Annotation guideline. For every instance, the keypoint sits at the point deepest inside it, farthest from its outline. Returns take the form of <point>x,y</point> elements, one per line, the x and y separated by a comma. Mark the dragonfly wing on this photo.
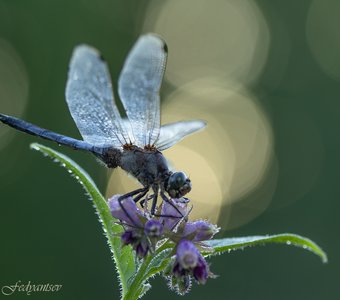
<point>90,99</point>
<point>172,133</point>
<point>139,86</point>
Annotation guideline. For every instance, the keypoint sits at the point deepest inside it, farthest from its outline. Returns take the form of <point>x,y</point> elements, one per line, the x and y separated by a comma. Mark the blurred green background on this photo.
<point>265,75</point>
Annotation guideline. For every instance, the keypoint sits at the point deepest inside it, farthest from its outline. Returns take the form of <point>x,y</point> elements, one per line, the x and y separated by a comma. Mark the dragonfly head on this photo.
<point>178,185</point>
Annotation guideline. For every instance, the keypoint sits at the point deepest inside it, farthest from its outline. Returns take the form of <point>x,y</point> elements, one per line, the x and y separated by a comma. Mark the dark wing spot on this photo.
<point>165,47</point>
<point>101,57</point>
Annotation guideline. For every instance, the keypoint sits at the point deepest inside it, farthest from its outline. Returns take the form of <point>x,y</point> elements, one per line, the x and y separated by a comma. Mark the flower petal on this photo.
<point>199,230</point>
<point>130,215</point>
<point>201,271</point>
<point>173,212</point>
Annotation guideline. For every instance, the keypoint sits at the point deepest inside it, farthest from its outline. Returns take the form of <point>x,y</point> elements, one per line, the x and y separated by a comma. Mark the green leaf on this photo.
<point>123,257</point>
<point>158,262</point>
<point>229,244</point>
<point>149,267</point>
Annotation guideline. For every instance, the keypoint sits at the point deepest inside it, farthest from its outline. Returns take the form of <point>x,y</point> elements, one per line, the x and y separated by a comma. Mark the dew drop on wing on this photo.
<point>288,242</point>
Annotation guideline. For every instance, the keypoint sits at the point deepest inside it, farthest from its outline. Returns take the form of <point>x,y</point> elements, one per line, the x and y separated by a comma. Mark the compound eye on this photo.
<point>180,178</point>
<point>177,179</point>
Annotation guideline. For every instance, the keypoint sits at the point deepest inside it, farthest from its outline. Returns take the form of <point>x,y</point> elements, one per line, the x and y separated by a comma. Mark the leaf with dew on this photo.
<point>123,257</point>
<point>229,244</point>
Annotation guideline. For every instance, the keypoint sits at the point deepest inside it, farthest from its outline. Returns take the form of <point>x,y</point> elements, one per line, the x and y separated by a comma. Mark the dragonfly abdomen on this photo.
<point>46,134</point>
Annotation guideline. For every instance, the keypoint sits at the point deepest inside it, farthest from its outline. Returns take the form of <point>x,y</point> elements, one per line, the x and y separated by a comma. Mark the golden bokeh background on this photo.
<point>263,74</point>
<point>215,52</point>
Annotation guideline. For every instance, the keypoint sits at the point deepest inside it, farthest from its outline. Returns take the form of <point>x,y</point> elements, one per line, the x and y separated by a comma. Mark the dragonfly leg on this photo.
<point>140,196</point>
<point>131,194</point>
<point>180,217</point>
<point>165,199</point>
<point>154,200</point>
<point>143,201</point>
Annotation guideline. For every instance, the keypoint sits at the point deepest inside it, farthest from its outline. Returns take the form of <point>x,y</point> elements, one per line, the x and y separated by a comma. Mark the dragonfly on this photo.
<point>133,142</point>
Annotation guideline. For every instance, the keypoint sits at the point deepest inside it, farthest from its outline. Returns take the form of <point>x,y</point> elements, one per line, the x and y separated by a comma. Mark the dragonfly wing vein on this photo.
<point>90,99</point>
<point>139,86</point>
<point>172,133</point>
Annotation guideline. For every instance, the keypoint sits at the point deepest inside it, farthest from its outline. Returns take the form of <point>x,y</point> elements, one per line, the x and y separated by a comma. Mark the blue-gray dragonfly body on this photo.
<point>133,143</point>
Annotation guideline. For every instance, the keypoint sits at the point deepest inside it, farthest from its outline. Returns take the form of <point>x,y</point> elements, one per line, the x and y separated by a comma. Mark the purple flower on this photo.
<point>142,247</point>
<point>127,211</point>
<point>129,237</point>
<point>201,271</point>
<point>199,231</point>
<point>173,212</point>
<point>153,228</point>
<point>189,261</point>
<point>186,255</point>
<point>142,234</point>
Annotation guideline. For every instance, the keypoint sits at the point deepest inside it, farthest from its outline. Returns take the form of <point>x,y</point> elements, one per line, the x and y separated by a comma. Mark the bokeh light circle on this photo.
<point>228,39</point>
<point>323,36</point>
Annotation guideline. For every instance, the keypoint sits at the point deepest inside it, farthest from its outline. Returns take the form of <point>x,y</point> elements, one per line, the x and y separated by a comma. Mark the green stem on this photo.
<point>142,274</point>
<point>136,285</point>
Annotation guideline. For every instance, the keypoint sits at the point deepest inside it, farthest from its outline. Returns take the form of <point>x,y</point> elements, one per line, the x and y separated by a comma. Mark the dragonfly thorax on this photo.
<point>149,167</point>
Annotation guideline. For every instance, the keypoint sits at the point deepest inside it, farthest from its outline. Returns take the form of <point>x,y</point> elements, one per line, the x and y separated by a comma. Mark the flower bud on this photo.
<point>189,261</point>
<point>129,237</point>
<point>187,254</point>
<point>142,249</point>
<point>199,231</point>
<point>153,228</point>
